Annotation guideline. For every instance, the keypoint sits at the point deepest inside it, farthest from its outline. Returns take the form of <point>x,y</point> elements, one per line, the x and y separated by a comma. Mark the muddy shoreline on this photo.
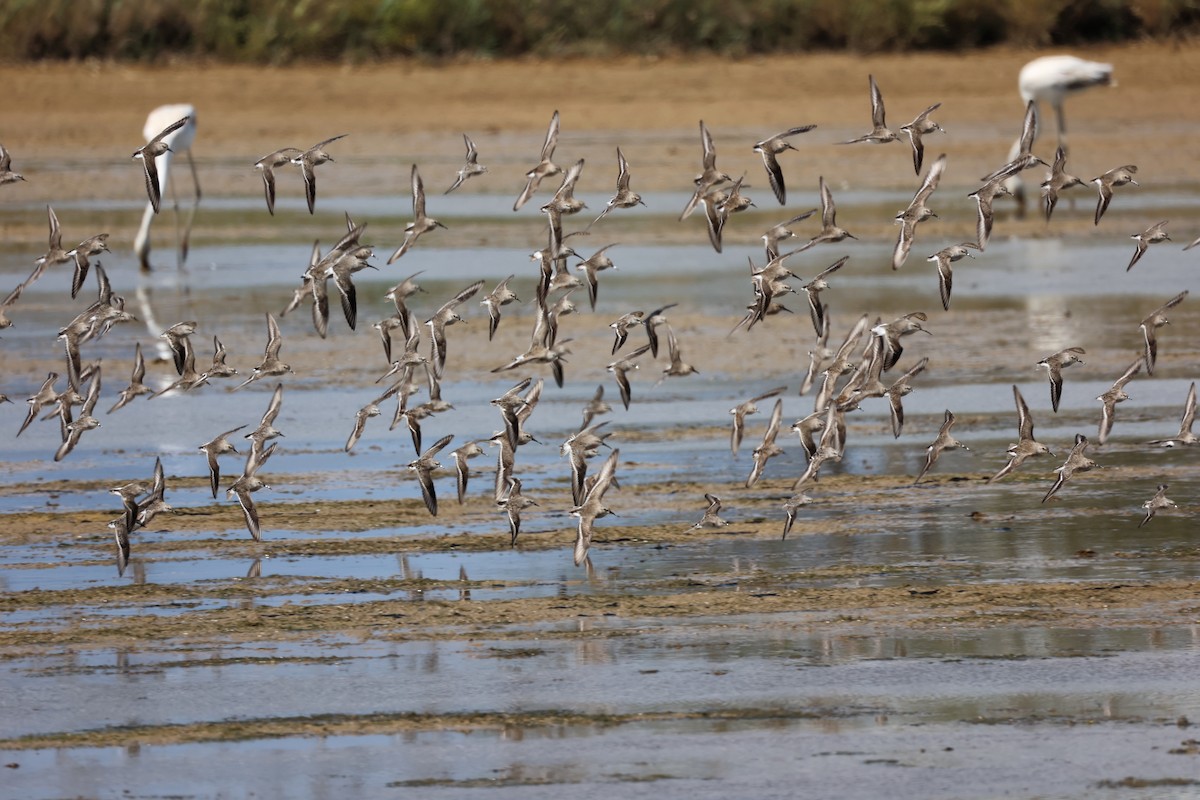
<point>357,591</point>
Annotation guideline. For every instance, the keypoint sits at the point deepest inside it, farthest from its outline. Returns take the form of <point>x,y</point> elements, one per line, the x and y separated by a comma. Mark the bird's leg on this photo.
<point>1062,142</point>
<point>181,257</point>
<point>1062,126</point>
<point>187,231</point>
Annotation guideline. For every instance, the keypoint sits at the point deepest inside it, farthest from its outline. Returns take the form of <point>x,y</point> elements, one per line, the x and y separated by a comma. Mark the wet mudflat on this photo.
<point>913,640</point>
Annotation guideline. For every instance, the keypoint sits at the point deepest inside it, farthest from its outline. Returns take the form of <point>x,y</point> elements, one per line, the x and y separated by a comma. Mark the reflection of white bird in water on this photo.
<point>180,142</point>
<point>1050,79</point>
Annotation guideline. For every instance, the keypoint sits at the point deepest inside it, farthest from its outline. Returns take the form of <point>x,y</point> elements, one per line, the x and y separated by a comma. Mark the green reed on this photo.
<point>280,31</point>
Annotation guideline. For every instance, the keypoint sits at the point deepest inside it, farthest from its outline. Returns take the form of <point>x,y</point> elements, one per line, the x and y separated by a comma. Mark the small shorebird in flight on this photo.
<point>471,168</point>
<point>151,150</point>
<point>771,147</point>
<point>880,134</point>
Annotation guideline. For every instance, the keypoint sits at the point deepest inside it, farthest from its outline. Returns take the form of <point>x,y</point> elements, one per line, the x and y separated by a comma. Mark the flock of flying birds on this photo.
<point>866,355</point>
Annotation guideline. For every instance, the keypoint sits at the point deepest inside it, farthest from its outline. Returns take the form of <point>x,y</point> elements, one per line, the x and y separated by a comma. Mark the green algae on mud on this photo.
<point>360,724</point>
<point>965,606</point>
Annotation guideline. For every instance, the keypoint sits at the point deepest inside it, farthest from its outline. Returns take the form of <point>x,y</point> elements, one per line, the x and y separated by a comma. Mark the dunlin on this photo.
<point>880,134</point>
<point>129,494</point>
<point>916,212</point>
<point>268,164</point>
<point>342,270</point>
<point>175,336</point>
<point>505,461</point>
<point>1026,447</point>
<point>365,413</point>
<point>651,322</point>
<point>73,429</point>
<point>768,449</point>
<point>83,253</point>
<point>266,430</point>
<point>6,171</point>
<point>595,407</point>
<point>400,293</point>
<point>891,332</point>
<point>136,387</point>
<point>1076,461</point>
<point>44,397</point>
<point>830,232</point>
<point>625,197</point>
<point>620,367</point>
<point>514,503</point>
<point>900,389</point>
<point>592,507</point>
<point>55,254</point>
<point>410,357</point>
<point>424,467</point>
<point>742,410</point>
<point>494,300</point>
<point>771,147</point>
<point>218,368</point>
<point>818,355</point>
<point>1159,502</point>
<point>1059,180</point>
<point>841,359</point>
<point>943,441</point>
<point>308,161</point>
<point>213,448</point>
<point>1023,158</point>
<point>1152,235</point>
<point>678,368</point>
<point>270,366</point>
<point>1185,435</point>
<point>944,258</point>
<point>544,169</point>
<point>829,448</point>
<point>622,326</point>
<point>150,151</point>
<point>1115,394</point>
<point>1054,365</point>
<point>411,416</point>
<point>564,201</point>
<point>1155,320</point>
<point>711,518</point>
<point>469,169</point>
<point>709,176</point>
<point>780,232</point>
<point>509,404</point>
<point>189,377</point>
<point>155,503</point>
<point>983,197</point>
<point>590,266</point>
<point>246,484</point>
<point>10,300</point>
<point>460,456</point>
<point>793,505</point>
<point>421,223</point>
<point>919,127</point>
<point>444,316</point>
<point>1117,176</point>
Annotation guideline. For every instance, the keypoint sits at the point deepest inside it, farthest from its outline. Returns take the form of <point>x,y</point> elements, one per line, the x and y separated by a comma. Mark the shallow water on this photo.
<point>912,715</point>
<point>808,700</point>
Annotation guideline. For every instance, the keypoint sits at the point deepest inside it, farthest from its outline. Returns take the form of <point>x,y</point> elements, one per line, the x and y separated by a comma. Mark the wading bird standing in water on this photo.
<point>180,142</point>
<point>1049,80</point>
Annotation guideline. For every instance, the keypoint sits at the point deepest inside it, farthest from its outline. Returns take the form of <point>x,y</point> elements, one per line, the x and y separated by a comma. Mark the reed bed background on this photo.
<point>284,31</point>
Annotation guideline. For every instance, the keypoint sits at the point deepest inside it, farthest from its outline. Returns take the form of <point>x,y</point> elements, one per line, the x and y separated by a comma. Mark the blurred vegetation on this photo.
<point>280,31</point>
